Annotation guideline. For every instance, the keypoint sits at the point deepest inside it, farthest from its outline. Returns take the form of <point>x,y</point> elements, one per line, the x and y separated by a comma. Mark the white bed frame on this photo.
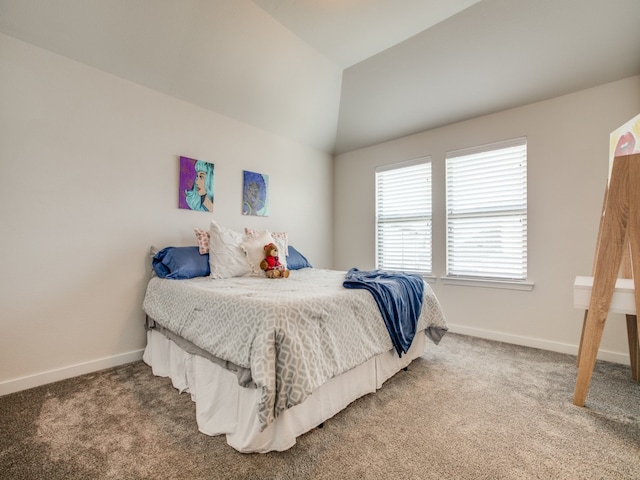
<point>224,407</point>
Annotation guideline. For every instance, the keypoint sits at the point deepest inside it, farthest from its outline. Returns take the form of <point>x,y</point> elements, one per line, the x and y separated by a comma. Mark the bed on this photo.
<point>266,360</point>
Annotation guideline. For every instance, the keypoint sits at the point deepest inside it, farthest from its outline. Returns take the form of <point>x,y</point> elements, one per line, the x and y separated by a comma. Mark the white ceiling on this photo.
<point>495,55</point>
<point>349,31</point>
<point>339,75</point>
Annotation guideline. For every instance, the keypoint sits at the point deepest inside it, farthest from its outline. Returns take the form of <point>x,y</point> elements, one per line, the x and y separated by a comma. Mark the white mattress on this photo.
<point>225,408</point>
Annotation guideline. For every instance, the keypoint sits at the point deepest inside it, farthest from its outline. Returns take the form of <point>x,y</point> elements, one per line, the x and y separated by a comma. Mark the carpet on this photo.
<point>467,409</point>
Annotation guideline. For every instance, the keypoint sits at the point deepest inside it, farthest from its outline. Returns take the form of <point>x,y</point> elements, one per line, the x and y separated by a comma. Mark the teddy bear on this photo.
<point>271,264</point>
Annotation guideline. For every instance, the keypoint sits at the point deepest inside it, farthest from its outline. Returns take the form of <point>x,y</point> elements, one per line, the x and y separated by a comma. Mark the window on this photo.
<point>403,217</point>
<point>487,211</point>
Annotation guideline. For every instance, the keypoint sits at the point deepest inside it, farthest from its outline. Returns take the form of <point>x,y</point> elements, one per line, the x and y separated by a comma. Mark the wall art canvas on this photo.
<point>255,194</point>
<point>624,140</point>
<point>195,191</point>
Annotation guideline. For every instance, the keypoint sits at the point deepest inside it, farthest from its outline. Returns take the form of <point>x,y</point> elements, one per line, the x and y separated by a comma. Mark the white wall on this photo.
<point>230,57</point>
<point>568,140</point>
<point>88,181</point>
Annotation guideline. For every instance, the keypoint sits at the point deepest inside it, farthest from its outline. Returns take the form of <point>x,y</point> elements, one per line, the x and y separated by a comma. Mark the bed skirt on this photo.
<point>225,408</point>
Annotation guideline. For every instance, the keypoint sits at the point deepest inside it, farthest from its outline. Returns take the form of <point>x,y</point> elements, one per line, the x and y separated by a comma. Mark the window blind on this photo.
<point>487,211</point>
<point>403,217</point>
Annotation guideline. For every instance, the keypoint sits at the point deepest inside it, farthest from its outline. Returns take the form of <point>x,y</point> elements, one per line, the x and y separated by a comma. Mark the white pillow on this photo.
<point>226,257</point>
<point>281,240</point>
<point>254,249</point>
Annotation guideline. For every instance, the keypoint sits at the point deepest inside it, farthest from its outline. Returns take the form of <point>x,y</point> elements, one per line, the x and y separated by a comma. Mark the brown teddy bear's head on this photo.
<point>271,250</point>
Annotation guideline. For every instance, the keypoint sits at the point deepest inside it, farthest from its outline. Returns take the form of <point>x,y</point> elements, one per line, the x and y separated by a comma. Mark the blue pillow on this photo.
<point>295,260</point>
<point>180,263</point>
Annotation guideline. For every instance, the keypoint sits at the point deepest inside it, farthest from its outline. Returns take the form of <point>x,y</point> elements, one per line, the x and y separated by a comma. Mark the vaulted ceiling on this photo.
<point>338,75</point>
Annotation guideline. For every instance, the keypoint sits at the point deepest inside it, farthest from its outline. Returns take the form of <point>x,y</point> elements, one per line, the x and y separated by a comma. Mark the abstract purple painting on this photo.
<point>255,194</point>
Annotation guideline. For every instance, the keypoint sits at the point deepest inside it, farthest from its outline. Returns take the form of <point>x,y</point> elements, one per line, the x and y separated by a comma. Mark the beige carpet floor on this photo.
<point>468,409</point>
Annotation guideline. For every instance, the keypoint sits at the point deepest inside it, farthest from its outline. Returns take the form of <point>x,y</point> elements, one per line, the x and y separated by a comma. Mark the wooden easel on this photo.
<point>617,251</point>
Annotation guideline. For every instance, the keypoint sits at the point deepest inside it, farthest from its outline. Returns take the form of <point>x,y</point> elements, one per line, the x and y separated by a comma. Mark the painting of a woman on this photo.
<point>196,184</point>
<point>255,194</point>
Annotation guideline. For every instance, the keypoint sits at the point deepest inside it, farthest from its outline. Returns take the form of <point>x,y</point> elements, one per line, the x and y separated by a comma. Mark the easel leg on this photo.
<point>634,242</point>
<point>611,243</point>
<point>633,325</point>
<point>589,350</point>
<point>584,325</point>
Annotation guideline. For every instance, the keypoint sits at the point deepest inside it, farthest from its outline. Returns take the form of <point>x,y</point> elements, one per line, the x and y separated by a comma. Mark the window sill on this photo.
<point>429,278</point>
<point>488,283</point>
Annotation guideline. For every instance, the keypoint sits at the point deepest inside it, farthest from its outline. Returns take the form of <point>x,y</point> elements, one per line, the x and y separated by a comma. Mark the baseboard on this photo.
<point>24,383</point>
<point>31,381</point>
<point>606,355</point>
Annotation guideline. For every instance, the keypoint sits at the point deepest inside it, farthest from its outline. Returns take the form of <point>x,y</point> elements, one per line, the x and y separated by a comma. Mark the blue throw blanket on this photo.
<point>399,298</point>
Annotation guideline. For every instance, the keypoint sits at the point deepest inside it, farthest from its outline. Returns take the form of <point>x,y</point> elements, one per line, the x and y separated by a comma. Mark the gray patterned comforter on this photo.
<point>293,334</point>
